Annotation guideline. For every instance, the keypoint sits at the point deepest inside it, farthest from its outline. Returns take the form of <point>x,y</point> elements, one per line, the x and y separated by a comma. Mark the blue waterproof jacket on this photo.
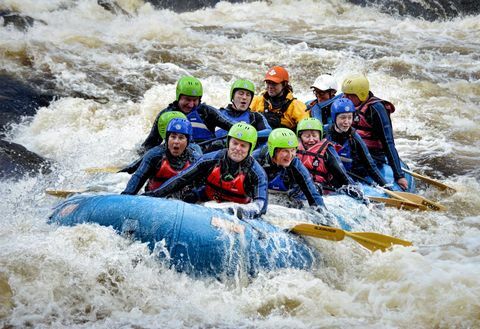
<point>355,154</point>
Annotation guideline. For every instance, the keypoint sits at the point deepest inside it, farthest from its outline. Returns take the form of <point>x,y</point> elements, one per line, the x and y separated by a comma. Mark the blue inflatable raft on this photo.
<point>191,238</point>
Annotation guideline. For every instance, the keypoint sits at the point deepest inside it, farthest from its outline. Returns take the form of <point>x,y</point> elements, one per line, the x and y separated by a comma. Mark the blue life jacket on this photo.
<point>200,130</point>
<point>316,111</point>
<point>277,183</point>
<point>245,117</point>
<point>345,153</point>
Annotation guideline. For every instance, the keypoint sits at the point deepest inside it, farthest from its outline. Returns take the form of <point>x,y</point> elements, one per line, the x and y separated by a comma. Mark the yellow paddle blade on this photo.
<point>318,231</point>
<point>441,186</point>
<point>63,193</point>
<point>405,205</point>
<point>415,198</point>
<point>111,169</point>
<point>370,240</point>
<point>376,241</point>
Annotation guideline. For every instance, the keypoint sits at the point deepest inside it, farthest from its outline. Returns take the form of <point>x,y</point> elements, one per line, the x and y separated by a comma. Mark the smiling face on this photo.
<point>273,89</point>
<point>309,138</point>
<point>284,156</point>
<point>177,143</point>
<point>242,99</point>
<point>343,122</point>
<point>187,103</point>
<point>237,149</point>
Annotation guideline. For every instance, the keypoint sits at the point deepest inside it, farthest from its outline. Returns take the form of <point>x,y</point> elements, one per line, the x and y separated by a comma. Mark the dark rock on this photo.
<point>18,99</point>
<point>16,161</point>
<point>19,21</point>
<point>429,9</point>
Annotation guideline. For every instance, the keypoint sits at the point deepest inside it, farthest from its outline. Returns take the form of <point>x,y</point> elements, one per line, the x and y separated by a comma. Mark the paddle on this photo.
<point>441,186</point>
<point>63,193</point>
<point>370,240</point>
<point>397,203</point>
<point>94,170</point>
<point>405,196</point>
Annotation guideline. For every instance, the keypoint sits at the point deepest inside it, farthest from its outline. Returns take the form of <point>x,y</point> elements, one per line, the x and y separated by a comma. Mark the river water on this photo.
<point>88,277</point>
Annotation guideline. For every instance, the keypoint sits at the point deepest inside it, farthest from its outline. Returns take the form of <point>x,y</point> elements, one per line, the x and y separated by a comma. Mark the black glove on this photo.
<point>294,203</point>
<point>247,211</point>
<point>214,146</point>
<point>352,191</point>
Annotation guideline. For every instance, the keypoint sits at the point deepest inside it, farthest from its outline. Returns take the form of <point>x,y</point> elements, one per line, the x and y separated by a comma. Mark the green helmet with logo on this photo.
<point>244,132</point>
<point>242,84</point>
<point>164,120</point>
<point>310,124</point>
<point>189,86</point>
<point>281,138</point>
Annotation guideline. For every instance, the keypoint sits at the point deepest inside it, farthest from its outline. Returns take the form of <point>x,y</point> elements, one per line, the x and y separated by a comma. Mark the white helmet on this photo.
<point>325,82</point>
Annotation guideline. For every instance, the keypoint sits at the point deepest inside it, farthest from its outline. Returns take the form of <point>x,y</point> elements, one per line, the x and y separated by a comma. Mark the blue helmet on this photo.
<point>181,126</point>
<point>341,105</point>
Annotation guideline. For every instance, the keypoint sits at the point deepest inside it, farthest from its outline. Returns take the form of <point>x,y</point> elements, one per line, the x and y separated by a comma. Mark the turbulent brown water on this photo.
<point>88,277</point>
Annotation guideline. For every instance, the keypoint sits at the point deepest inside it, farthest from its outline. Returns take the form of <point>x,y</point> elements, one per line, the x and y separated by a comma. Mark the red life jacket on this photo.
<point>364,129</point>
<point>314,160</point>
<point>220,190</point>
<point>164,173</point>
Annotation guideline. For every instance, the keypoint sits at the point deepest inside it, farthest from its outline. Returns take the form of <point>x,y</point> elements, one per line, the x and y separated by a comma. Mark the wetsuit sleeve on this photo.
<point>262,126</point>
<point>382,127</point>
<point>132,167</point>
<point>336,168</point>
<point>367,160</point>
<point>258,187</point>
<point>145,170</point>
<point>201,168</point>
<point>260,154</point>
<point>302,177</point>
<point>214,118</point>
<point>153,139</point>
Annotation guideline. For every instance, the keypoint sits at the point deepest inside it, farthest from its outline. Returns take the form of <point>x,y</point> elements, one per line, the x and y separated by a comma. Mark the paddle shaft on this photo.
<point>370,240</point>
<point>386,191</point>
<point>434,182</point>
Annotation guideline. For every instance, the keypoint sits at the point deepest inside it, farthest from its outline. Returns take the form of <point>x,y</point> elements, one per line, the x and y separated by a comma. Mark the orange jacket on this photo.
<point>295,112</point>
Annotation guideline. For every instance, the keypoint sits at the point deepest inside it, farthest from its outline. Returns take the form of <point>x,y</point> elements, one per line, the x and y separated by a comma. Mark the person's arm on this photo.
<point>367,160</point>
<point>257,188</point>
<point>214,118</point>
<point>382,127</point>
<point>153,139</point>
<point>145,170</point>
<point>132,166</point>
<point>262,126</point>
<point>186,177</point>
<point>302,177</point>
<point>336,168</point>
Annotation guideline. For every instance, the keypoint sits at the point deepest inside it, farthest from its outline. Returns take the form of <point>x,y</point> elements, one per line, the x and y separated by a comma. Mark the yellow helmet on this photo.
<point>356,84</point>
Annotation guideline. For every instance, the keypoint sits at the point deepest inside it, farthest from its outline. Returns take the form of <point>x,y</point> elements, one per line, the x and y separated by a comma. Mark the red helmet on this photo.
<point>276,74</point>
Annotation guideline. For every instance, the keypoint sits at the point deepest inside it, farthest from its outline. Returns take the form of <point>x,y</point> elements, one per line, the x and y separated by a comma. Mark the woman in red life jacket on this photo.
<point>226,175</point>
<point>321,159</point>
<point>373,124</point>
<point>166,160</point>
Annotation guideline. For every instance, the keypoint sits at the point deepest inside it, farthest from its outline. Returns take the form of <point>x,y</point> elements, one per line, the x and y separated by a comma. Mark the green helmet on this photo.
<point>244,132</point>
<point>189,86</point>
<point>310,124</point>
<point>281,138</point>
<point>164,120</point>
<point>242,84</point>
